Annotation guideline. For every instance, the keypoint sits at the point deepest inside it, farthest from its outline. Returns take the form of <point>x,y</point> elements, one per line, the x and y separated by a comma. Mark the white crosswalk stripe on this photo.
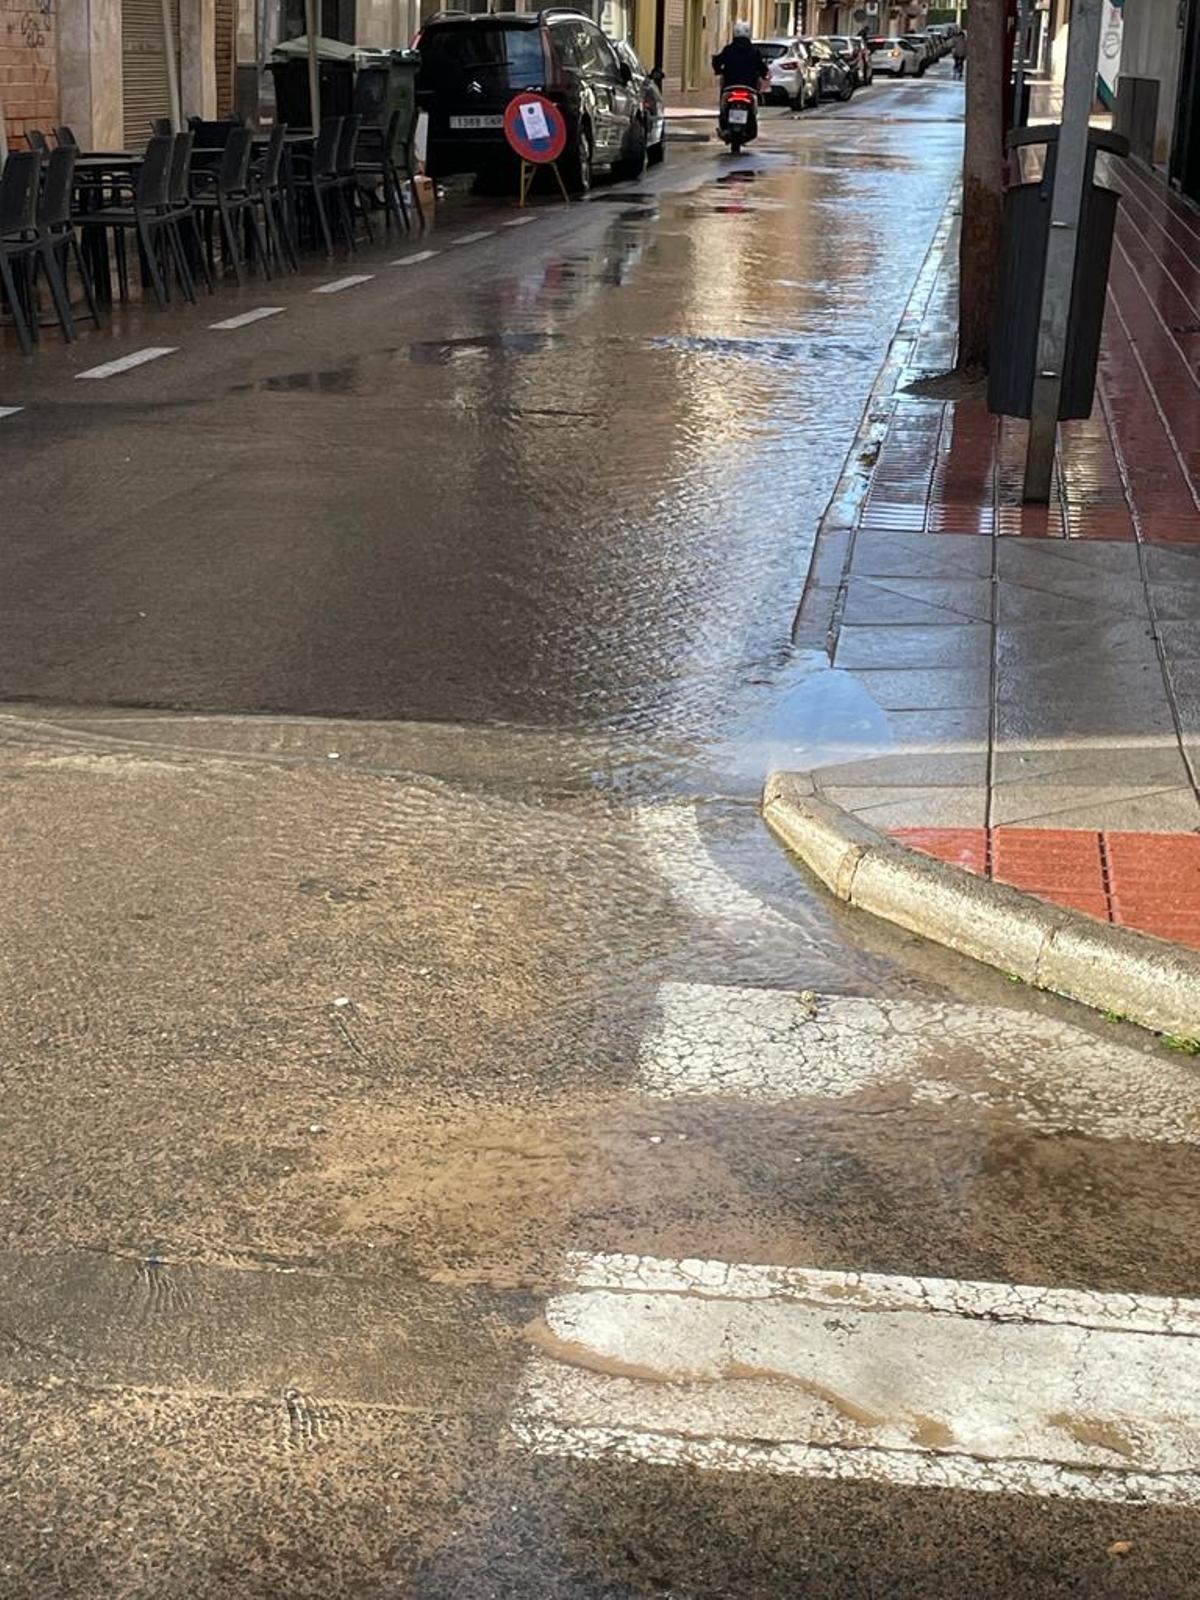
<point>1033,1390</point>
<point>901,1381</point>
<point>673,837</point>
<point>773,1044</point>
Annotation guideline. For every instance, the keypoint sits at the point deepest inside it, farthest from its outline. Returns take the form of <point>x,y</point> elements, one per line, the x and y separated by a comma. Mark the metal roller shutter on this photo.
<point>676,27</point>
<point>144,67</point>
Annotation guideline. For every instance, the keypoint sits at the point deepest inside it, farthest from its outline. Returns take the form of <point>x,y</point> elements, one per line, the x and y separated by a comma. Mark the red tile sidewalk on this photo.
<point>1148,881</point>
<point>1132,470</point>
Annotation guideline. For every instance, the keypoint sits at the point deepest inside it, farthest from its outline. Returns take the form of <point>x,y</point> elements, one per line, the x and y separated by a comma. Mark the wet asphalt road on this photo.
<point>382,1067</point>
<point>565,475</point>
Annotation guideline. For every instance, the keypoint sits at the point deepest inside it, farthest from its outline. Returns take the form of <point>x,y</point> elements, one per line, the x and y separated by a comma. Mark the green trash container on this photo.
<point>386,81</point>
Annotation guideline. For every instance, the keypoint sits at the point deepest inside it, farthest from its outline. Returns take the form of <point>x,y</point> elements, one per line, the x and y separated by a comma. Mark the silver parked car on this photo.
<point>653,104</point>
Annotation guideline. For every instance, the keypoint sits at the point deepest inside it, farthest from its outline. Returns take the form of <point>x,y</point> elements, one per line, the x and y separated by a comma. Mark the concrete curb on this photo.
<point>1149,981</point>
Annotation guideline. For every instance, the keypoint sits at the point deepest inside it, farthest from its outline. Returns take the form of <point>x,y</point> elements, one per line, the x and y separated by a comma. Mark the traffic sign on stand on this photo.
<point>537,131</point>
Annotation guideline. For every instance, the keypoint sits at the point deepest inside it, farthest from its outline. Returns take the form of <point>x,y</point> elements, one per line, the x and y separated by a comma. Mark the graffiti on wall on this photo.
<point>31,26</point>
<point>36,24</point>
<point>28,57</point>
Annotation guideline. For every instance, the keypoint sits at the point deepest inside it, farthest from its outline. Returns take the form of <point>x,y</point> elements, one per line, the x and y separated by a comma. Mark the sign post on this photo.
<point>312,24</point>
<point>1066,207</point>
<point>536,131</point>
<point>171,52</point>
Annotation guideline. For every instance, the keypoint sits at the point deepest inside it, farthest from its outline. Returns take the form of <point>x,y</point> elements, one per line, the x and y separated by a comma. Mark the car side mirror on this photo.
<point>626,72</point>
<point>657,76</point>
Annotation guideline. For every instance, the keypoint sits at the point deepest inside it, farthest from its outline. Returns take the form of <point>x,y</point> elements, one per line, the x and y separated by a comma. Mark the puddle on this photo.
<point>437,352</point>
<point>330,380</point>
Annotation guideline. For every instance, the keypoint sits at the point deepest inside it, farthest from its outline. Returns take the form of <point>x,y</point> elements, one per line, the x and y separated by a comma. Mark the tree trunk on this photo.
<point>983,181</point>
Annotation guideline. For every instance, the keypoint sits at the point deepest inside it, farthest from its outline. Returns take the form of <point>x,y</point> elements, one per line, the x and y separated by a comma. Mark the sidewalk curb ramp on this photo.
<point>1143,979</point>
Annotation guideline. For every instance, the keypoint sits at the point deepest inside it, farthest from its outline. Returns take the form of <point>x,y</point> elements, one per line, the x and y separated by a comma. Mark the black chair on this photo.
<point>213,135</point>
<point>180,210</point>
<point>404,163</point>
<point>377,171</point>
<point>37,141</point>
<point>160,127</point>
<point>57,240</point>
<point>224,195</point>
<point>145,213</point>
<point>18,232</point>
<point>65,136</point>
<point>266,183</point>
<point>350,200</point>
<point>183,213</point>
<point>316,174</point>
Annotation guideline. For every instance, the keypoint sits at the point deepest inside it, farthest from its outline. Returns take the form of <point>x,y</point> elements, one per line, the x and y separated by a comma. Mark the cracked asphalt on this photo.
<point>449,1150</point>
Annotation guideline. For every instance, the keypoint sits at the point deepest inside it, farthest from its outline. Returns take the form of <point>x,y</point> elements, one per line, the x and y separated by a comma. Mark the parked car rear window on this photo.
<point>772,52</point>
<point>511,55</point>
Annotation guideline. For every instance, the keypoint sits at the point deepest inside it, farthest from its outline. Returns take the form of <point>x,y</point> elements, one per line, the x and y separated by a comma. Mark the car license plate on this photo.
<point>477,122</point>
<point>738,118</point>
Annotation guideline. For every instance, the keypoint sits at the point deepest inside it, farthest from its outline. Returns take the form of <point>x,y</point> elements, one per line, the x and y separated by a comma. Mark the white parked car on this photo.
<point>891,58</point>
<point>792,74</point>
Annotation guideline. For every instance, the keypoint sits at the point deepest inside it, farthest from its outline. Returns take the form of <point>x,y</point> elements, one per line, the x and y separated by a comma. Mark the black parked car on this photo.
<point>471,66</point>
<point>853,50</point>
<point>837,82</point>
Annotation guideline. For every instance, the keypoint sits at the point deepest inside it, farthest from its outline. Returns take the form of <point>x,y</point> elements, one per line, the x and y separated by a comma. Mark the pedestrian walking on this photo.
<point>959,49</point>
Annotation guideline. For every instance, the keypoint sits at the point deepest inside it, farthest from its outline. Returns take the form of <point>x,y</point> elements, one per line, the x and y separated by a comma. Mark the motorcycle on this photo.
<point>738,121</point>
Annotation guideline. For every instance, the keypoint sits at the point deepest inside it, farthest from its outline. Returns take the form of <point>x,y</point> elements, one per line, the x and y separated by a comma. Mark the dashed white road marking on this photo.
<point>9,411</point>
<point>339,284</point>
<point>245,318</point>
<point>517,222</point>
<point>681,858</point>
<point>904,1381</point>
<point>139,358</point>
<point>417,255</point>
<point>473,238</point>
<point>774,1044</point>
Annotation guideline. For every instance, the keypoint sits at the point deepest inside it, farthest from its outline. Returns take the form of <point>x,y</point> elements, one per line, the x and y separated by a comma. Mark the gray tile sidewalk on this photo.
<point>1037,681</point>
<point>1083,680</point>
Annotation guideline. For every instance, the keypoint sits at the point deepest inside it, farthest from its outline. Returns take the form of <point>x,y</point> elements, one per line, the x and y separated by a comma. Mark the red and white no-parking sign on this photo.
<point>535,128</point>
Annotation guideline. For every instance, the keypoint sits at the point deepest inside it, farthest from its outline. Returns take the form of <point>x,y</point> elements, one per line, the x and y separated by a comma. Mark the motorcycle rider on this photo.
<point>740,62</point>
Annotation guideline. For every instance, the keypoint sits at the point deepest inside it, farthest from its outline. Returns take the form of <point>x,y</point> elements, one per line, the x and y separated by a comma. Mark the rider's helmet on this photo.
<point>742,29</point>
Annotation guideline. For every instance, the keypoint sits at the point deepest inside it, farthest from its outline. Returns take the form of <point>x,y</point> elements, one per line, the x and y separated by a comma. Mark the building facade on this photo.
<point>100,65</point>
<point>1161,46</point>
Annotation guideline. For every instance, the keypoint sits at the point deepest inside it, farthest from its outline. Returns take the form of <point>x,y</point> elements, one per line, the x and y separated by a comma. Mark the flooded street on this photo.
<point>563,476</point>
<point>450,1150</point>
